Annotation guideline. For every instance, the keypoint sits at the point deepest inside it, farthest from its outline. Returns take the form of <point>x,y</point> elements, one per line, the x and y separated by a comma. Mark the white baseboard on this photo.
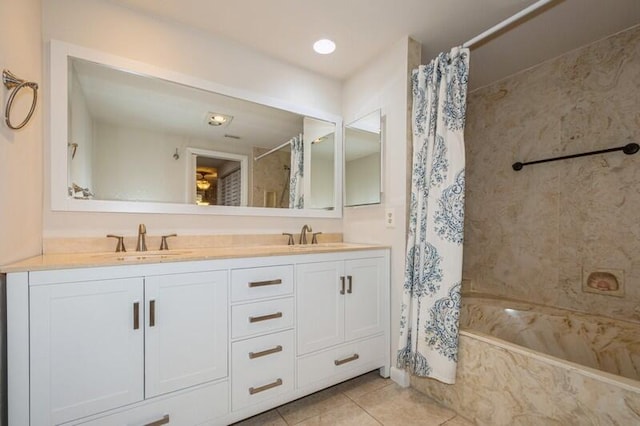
<point>401,377</point>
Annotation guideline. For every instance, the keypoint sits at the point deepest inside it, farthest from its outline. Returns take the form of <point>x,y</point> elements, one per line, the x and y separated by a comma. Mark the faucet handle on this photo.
<point>314,239</point>
<point>290,242</point>
<point>163,242</point>
<point>120,247</point>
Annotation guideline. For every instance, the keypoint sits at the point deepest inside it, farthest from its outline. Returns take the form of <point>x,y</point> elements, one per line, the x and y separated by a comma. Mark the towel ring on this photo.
<point>12,82</point>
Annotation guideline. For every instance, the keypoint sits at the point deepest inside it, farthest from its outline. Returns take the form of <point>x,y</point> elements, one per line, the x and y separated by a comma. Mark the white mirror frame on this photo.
<point>58,126</point>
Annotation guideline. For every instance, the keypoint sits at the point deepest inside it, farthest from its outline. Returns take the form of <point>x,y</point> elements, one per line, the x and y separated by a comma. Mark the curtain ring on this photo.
<point>12,82</point>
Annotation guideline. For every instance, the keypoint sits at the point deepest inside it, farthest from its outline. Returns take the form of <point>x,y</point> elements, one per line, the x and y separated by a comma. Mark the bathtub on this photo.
<point>524,364</point>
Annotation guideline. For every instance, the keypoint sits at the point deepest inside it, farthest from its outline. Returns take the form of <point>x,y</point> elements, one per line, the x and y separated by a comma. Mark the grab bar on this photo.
<point>629,149</point>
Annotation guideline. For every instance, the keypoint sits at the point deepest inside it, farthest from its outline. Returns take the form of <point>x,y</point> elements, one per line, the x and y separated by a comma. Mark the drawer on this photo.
<point>342,362</point>
<point>261,317</point>
<point>256,283</point>
<point>193,407</point>
<point>262,368</point>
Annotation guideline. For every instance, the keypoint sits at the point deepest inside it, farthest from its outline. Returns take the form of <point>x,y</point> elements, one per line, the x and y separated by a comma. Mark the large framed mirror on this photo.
<point>130,137</point>
<point>363,160</point>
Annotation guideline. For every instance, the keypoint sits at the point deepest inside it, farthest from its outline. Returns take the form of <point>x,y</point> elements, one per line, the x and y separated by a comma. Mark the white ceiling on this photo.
<point>362,29</point>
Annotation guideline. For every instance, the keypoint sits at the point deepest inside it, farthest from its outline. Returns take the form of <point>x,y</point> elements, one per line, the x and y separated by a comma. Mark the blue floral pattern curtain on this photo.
<point>296,180</point>
<point>433,270</point>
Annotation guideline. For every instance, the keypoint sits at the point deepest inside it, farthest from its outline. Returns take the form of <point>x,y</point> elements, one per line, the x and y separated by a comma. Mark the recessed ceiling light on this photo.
<point>216,119</point>
<point>324,46</point>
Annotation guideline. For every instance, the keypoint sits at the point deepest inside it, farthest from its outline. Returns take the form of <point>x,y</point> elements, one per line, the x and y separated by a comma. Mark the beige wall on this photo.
<point>21,150</point>
<point>529,234</point>
<point>384,84</point>
<point>108,27</point>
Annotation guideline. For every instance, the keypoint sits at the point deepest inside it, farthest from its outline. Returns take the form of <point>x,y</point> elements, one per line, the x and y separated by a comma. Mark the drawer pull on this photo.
<point>152,313</point>
<point>253,355</point>
<point>136,315</point>
<point>265,317</point>
<point>341,285</point>
<point>264,283</point>
<point>253,390</point>
<point>346,360</point>
<point>163,421</point>
<point>350,280</point>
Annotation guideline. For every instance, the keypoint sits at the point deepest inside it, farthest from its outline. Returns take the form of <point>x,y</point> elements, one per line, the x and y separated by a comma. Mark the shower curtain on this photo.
<point>430,309</point>
<point>296,181</point>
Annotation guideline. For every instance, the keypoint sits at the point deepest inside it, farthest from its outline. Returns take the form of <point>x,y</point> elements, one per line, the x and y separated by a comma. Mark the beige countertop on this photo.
<point>85,260</point>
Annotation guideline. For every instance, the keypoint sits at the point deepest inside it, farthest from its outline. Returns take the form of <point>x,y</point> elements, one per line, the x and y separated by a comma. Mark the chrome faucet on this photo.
<point>303,234</point>
<point>142,243</point>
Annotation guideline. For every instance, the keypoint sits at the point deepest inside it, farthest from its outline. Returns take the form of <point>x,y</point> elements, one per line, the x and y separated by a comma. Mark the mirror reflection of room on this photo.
<point>217,182</point>
<point>131,138</point>
<point>363,165</point>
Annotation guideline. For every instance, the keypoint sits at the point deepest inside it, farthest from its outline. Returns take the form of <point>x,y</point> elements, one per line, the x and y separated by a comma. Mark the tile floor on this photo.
<point>365,400</point>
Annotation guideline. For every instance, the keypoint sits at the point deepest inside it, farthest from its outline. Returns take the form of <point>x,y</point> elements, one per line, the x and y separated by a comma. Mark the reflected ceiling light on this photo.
<point>203,184</point>
<point>324,46</point>
<point>216,119</point>
<point>318,140</point>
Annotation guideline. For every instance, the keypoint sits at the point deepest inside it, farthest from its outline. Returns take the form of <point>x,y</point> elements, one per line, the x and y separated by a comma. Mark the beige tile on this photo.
<point>393,405</point>
<point>317,404</point>
<point>268,418</point>
<point>458,421</point>
<point>369,382</point>
<point>347,414</point>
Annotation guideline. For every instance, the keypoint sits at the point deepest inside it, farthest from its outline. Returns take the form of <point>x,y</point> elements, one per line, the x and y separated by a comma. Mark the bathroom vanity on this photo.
<point>195,337</point>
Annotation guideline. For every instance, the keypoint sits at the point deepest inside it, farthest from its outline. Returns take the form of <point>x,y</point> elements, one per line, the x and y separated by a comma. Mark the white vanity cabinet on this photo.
<point>185,330</point>
<point>342,308</point>
<point>87,348</point>
<point>262,322</point>
<point>97,345</point>
<point>202,342</point>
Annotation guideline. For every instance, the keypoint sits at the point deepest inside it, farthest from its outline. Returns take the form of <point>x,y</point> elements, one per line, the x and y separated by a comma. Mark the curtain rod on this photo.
<point>272,151</point>
<point>524,12</point>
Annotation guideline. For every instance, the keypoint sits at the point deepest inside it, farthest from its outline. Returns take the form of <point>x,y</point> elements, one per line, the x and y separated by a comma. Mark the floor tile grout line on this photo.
<point>364,409</point>
<point>307,418</point>
<point>449,419</point>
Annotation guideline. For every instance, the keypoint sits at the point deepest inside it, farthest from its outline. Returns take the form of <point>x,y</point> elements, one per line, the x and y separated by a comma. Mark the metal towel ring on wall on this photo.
<point>12,82</point>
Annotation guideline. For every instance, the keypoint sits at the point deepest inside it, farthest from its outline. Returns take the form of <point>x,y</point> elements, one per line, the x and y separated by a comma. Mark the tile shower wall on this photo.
<point>270,176</point>
<point>530,234</point>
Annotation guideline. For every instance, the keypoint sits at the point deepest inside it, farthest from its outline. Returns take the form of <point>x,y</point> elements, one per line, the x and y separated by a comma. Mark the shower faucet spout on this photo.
<point>142,233</point>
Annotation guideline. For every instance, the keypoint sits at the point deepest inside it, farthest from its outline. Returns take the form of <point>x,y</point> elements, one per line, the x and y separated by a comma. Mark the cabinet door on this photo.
<point>319,305</point>
<point>365,296</point>
<point>86,348</point>
<point>186,330</point>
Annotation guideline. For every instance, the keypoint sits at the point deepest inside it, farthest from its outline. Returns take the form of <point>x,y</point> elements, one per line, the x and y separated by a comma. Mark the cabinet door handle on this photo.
<point>265,317</point>
<point>163,421</point>
<point>350,280</point>
<point>346,360</point>
<point>253,390</point>
<point>264,283</point>
<point>152,313</point>
<point>341,285</point>
<point>253,355</point>
<point>136,315</point>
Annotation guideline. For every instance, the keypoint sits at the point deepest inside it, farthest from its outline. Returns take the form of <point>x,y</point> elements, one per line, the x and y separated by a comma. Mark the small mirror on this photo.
<point>363,164</point>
